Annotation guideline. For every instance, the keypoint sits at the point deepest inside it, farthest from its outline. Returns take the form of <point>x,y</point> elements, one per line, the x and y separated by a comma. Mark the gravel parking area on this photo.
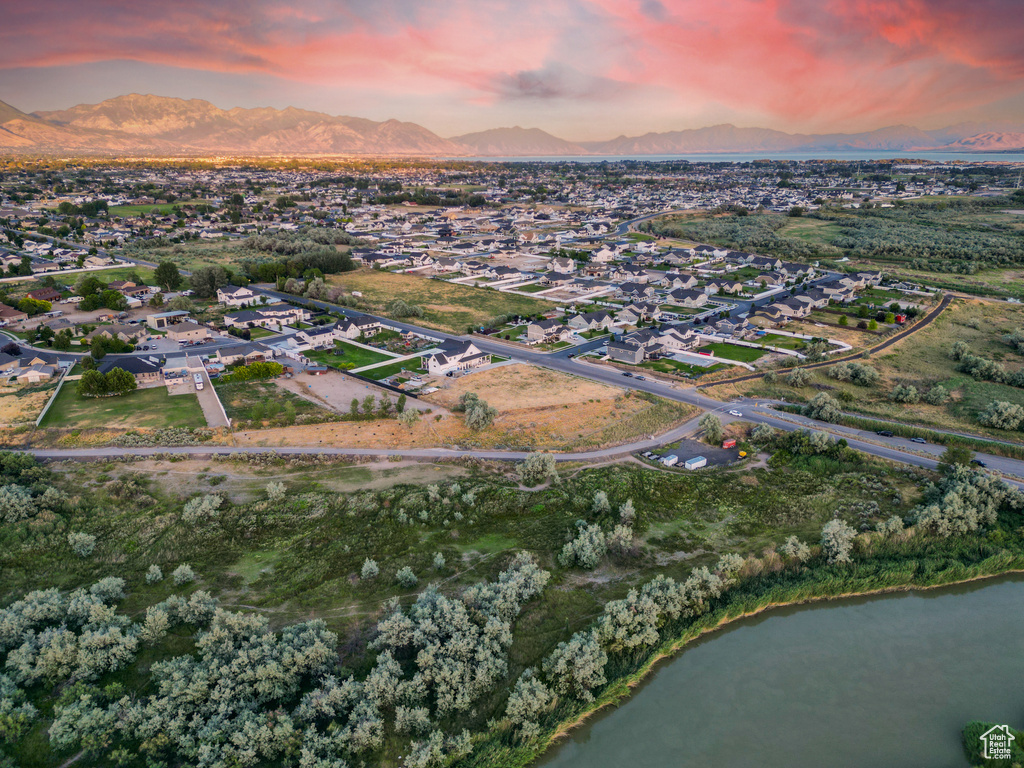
<point>335,391</point>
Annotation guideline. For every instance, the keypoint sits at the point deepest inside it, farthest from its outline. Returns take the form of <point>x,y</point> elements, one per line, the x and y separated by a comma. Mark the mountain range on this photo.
<point>145,125</point>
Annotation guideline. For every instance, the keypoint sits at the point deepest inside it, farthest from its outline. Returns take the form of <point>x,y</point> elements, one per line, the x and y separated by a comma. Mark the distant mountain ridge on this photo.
<point>158,125</point>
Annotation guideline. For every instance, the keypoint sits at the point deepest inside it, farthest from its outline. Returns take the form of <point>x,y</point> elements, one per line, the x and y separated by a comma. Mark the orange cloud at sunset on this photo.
<point>584,68</point>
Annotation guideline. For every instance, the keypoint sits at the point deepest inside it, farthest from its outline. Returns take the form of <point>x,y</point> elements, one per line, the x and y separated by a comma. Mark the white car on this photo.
<point>735,413</point>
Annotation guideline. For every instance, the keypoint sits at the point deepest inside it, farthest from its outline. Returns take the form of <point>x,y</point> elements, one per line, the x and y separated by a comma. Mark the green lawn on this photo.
<point>143,408</point>
<point>162,209</point>
<point>782,342</point>
<point>667,365</point>
<point>410,366</point>
<point>734,352</point>
<point>347,353</point>
<point>535,288</point>
<point>106,275</point>
<point>261,333</point>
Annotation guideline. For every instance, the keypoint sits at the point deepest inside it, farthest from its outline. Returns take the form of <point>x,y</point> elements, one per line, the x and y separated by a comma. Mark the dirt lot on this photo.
<point>22,406</point>
<point>335,391</point>
<point>537,409</point>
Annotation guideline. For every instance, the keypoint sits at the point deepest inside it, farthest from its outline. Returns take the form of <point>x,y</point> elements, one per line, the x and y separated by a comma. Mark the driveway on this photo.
<point>208,400</point>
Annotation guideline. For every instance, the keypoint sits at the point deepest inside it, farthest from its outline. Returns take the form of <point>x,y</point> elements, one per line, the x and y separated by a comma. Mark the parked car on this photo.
<point>627,374</point>
<point>735,413</point>
<point>884,433</point>
<point>918,440</point>
<point>979,462</point>
<point>641,378</point>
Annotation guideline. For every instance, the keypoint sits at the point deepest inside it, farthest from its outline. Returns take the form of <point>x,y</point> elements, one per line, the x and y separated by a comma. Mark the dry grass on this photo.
<point>537,409</point>
<point>21,407</point>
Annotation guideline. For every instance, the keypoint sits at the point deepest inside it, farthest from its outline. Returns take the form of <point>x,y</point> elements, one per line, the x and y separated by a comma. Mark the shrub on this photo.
<point>275,491</point>
<point>370,570</point>
<point>576,667</point>
<point>82,544</point>
<point>890,527</point>
<point>798,377</point>
<point>183,574</point>
<point>586,549</point>
<point>824,407</point>
<point>837,541</point>
<point>937,395</point>
<point>1002,415</point>
<point>904,393</point>
<point>202,508</point>
<point>536,468</point>
<point>796,549</point>
<point>406,578</point>
<point>154,574</point>
<point>439,562</point>
<point>479,415</point>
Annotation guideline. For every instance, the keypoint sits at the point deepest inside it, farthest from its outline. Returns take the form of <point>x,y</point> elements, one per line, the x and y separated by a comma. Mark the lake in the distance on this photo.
<point>747,157</point>
<point>876,682</point>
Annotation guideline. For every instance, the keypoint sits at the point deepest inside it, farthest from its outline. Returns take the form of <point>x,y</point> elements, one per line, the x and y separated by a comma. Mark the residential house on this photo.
<point>736,327</point>
<point>635,291</point>
<point>454,356</point>
<point>676,280</point>
<point>563,264</point>
<point>591,321</point>
<point>626,351</point>
<point>11,315</point>
<point>814,297</point>
<point>244,353</point>
<point>557,278</point>
<point>45,294</point>
<point>548,331</point>
<point>723,286</point>
<point>235,296</point>
<point>688,299</point>
<point>126,333</point>
<point>146,372</point>
<point>187,331</point>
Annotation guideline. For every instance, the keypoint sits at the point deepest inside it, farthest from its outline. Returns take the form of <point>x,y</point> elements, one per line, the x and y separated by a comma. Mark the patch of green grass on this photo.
<point>261,333</point>
<point>344,352</point>
<point>161,209</point>
<point>535,288</point>
<point>734,352</point>
<point>409,366</point>
<point>144,408</point>
<point>262,403</point>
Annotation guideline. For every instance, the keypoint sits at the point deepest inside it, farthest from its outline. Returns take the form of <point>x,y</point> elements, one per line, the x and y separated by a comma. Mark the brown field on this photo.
<point>537,409</point>
<point>18,406</point>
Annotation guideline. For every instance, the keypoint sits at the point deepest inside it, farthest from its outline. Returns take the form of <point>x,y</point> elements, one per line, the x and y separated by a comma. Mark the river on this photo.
<point>873,682</point>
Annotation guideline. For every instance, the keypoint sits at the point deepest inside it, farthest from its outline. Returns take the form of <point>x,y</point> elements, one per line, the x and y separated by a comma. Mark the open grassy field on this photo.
<point>106,275</point>
<point>191,256</point>
<point>922,360</point>
<point>142,409</point>
<point>447,306</point>
<point>161,209</point>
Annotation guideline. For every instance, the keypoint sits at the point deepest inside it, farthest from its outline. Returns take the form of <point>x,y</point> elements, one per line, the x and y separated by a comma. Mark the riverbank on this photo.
<point>749,598</point>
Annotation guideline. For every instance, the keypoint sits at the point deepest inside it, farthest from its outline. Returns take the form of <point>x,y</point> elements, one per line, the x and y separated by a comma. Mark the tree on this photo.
<point>120,382</point>
<point>576,667</point>
<point>956,454</point>
<point>400,405</point>
<point>92,384</point>
<point>795,548</point>
<point>479,415</point>
<point>837,541</point>
<point>798,377</point>
<point>180,304</point>
<point>586,550</point>
<point>904,393</point>
<point>937,395</point>
<point>276,491</point>
<point>206,280</point>
<point>712,426</point>
<point>154,574</point>
<point>167,276</point>
<point>844,320</point>
<point>408,417</point>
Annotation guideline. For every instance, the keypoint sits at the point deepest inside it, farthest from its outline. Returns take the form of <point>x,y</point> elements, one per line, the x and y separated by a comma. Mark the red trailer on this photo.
<point>730,443</point>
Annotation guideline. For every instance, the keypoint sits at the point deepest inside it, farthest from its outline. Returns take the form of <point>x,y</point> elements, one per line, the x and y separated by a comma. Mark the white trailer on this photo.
<point>670,461</point>
<point>198,379</point>
<point>695,463</point>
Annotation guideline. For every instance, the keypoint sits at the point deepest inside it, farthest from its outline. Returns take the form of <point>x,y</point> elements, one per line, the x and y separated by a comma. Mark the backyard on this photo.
<point>734,352</point>
<point>345,353</point>
<point>255,404</point>
<point>446,306</point>
<point>142,409</point>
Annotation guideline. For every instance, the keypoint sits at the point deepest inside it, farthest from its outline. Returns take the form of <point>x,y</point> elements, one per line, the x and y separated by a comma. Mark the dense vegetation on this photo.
<point>450,622</point>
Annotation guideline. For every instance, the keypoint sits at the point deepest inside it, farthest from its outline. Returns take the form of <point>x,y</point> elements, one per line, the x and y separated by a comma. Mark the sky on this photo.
<point>581,69</point>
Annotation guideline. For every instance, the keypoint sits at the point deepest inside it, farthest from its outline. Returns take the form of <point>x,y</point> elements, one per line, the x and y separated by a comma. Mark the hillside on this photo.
<point>518,141</point>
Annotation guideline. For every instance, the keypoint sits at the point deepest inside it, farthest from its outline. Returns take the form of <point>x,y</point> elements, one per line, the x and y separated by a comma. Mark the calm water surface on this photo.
<point>873,682</point>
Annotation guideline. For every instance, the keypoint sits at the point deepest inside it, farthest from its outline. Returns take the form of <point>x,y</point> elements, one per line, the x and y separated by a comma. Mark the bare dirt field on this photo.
<point>537,409</point>
<point>335,391</point>
<point>19,406</point>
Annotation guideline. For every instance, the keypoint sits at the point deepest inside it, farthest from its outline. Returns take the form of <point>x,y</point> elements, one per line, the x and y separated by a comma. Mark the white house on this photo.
<point>454,356</point>
<point>234,296</point>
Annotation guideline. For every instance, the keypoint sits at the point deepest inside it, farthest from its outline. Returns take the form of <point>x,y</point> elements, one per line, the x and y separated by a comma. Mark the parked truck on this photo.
<point>198,379</point>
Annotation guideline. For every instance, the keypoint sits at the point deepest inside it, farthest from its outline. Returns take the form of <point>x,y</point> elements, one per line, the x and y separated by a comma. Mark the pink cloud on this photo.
<point>820,63</point>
